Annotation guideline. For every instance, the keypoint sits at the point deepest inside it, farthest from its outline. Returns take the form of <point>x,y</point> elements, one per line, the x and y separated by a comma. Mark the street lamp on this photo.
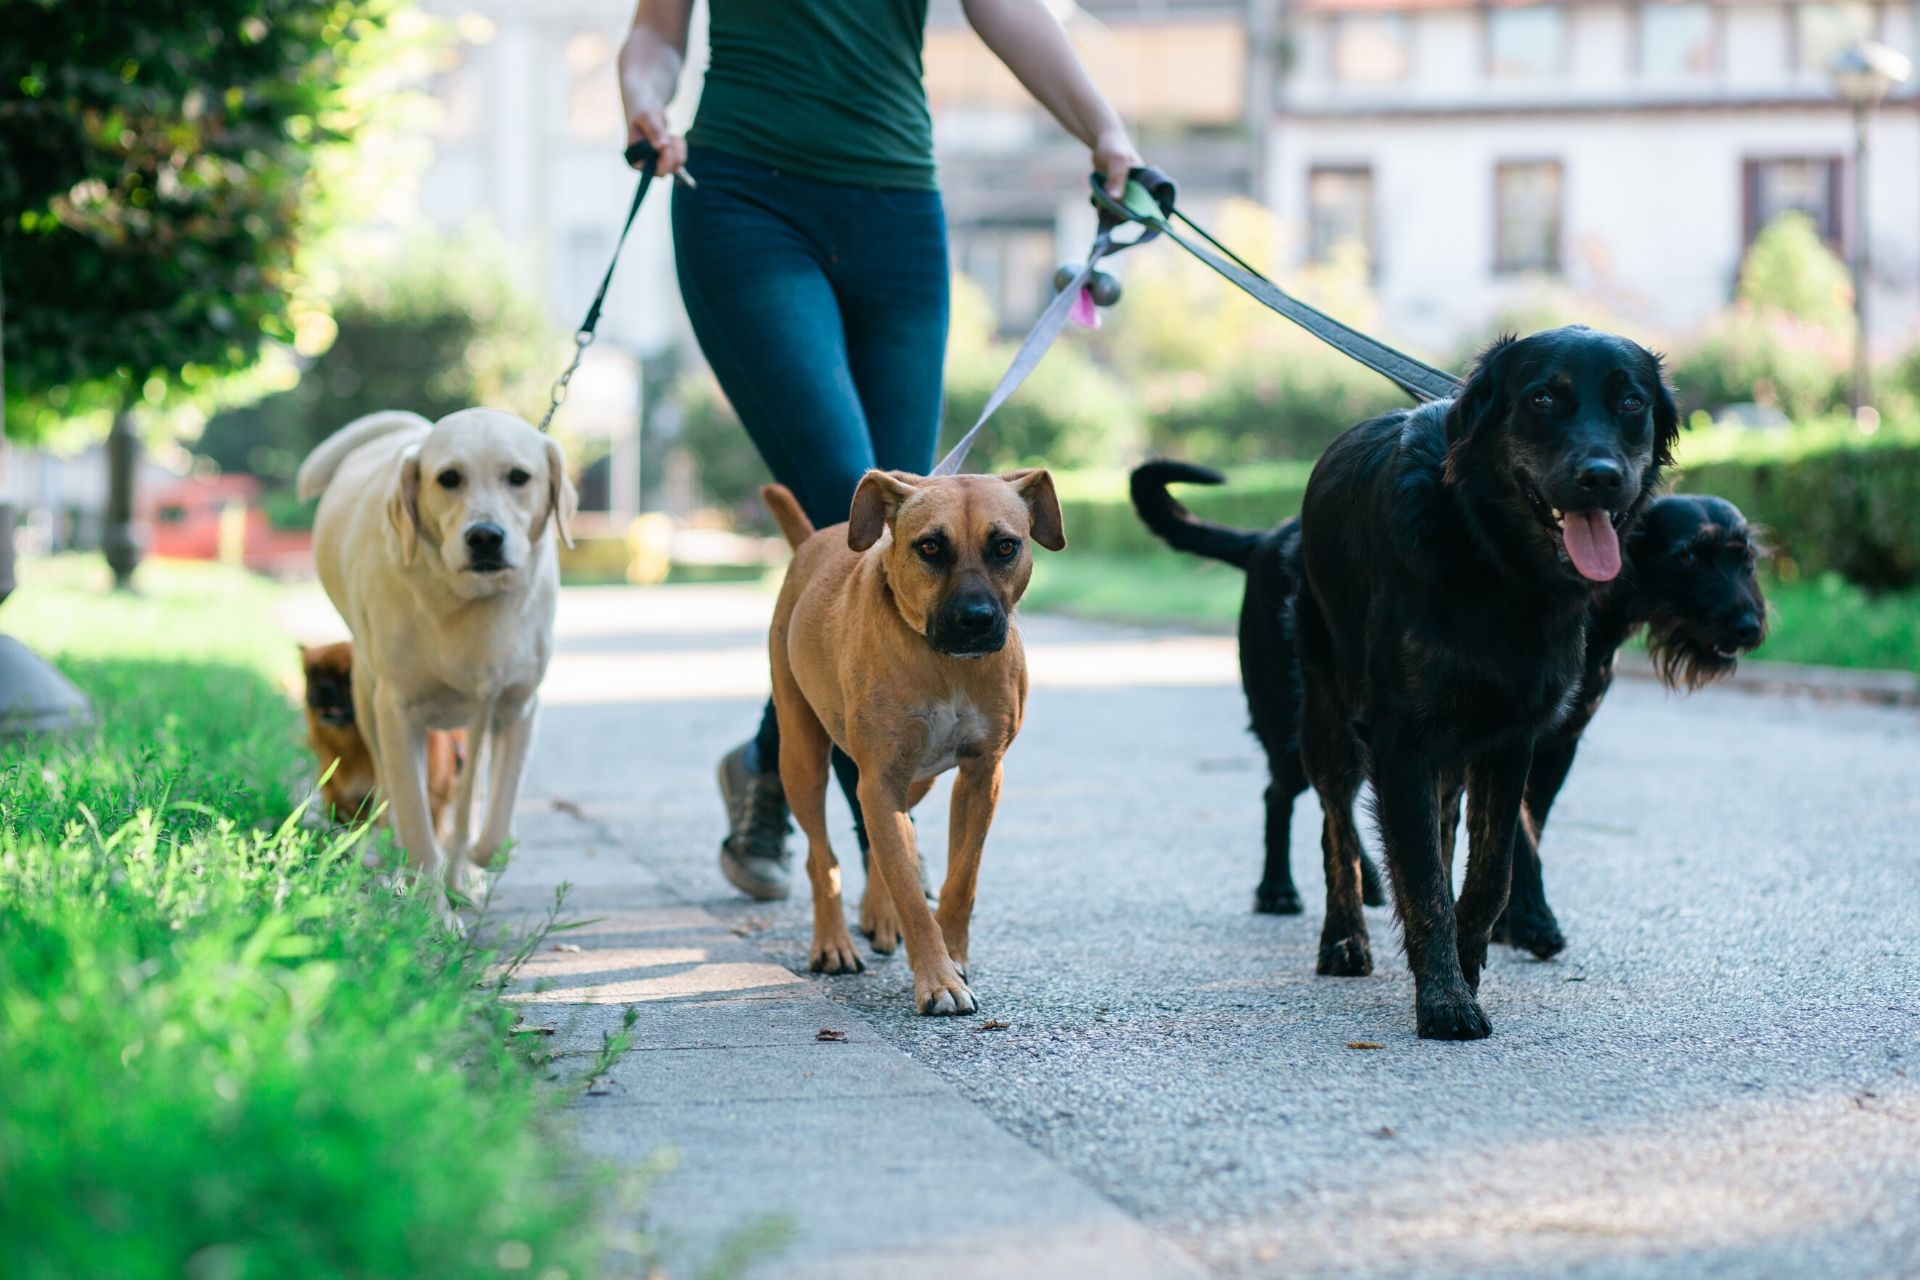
<point>1864,73</point>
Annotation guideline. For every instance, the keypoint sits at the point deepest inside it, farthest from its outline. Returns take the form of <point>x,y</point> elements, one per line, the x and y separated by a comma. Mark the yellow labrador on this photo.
<point>431,541</point>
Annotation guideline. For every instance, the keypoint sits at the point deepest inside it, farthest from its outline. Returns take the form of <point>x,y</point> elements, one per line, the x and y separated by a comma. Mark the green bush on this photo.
<point>1223,379</point>
<point>1787,339</point>
<point>229,1052</point>
<point>1833,498</point>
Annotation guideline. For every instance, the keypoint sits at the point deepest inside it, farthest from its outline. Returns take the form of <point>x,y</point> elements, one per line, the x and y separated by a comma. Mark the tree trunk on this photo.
<point>118,539</point>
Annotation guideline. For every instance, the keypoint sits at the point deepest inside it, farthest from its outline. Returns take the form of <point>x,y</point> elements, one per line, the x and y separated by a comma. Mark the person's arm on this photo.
<point>650,63</point>
<point>1026,36</point>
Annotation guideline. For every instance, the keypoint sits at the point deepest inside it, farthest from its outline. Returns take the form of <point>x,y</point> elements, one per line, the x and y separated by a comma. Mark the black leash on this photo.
<point>642,156</point>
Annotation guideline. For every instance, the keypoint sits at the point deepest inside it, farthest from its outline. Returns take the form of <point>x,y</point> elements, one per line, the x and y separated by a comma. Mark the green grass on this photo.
<point>1156,586</point>
<point>1827,622</point>
<point>227,1052</point>
<point>1831,622</point>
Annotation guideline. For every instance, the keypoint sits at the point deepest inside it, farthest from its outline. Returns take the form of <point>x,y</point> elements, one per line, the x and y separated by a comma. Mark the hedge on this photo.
<point>1099,515</point>
<point>1831,499</point>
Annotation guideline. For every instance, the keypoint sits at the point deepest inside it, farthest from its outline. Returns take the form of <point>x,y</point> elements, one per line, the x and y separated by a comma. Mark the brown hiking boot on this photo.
<point>754,856</point>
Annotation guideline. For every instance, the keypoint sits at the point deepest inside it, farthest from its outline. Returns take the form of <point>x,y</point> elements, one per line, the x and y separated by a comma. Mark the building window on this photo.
<point>1339,209</point>
<point>1013,262</point>
<point>1822,30</point>
<point>1678,40</point>
<point>1371,48</point>
<point>1527,211</point>
<point>1809,185</point>
<point>1525,44</point>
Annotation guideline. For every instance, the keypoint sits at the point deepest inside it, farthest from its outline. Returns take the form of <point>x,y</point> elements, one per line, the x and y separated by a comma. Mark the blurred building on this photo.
<point>1630,150</point>
<point>1195,79</point>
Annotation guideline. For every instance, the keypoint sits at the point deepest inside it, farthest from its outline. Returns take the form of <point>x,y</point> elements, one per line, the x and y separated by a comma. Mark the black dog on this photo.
<point>1269,667</point>
<point>1451,555</point>
<point>1689,578</point>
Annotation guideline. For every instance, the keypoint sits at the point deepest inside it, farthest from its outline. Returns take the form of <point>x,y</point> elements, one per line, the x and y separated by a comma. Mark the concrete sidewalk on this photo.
<point>781,1104</point>
<point>1717,1079</point>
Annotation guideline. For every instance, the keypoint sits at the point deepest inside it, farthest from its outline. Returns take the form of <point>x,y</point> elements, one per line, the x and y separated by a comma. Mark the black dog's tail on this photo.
<point>1161,512</point>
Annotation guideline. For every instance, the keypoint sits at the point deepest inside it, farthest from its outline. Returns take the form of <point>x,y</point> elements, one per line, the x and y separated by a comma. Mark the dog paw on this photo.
<point>878,921</point>
<point>1539,934</point>
<point>944,999</point>
<point>1452,1017</point>
<point>467,881</point>
<point>1348,957</point>
<point>1283,900</point>
<point>1373,885</point>
<point>837,956</point>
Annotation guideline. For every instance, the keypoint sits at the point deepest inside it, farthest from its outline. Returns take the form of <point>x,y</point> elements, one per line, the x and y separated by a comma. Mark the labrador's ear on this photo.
<point>403,508</point>
<point>1482,401</point>
<point>1035,487</point>
<point>874,504</point>
<point>562,499</point>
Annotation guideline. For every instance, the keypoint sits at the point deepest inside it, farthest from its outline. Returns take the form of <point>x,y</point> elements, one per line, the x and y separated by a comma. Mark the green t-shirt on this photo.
<point>826,89</point>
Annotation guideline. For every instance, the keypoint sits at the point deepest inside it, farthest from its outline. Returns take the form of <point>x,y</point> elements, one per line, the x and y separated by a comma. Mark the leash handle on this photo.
<point>643,155</point>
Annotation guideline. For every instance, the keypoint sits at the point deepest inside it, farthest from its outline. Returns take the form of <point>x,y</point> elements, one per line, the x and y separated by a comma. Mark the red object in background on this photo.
<point>184,522</point>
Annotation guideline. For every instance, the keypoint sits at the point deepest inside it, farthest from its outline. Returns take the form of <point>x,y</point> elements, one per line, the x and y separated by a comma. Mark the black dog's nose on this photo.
<point>1601,476</point>
<point>486,539</point>
<point>973,615</point>
<point>1748,631</point>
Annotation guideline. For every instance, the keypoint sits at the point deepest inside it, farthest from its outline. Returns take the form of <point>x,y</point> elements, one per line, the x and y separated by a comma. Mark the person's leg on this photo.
<point>889,273</point>
<point>891,278</point>
<point>765,315</point>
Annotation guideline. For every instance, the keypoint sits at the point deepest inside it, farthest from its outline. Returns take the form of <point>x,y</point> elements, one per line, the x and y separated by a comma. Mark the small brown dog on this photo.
<point>894,638</point>
<point>335,737</point>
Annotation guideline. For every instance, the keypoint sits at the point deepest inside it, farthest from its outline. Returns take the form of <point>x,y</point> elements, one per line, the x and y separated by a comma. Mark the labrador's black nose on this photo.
<point>486,539</point>
<point>974,616</point>
<point>1601,477</point>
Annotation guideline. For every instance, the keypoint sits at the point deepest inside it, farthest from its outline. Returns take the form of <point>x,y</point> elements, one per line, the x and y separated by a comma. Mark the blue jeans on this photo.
<point>822,308</point>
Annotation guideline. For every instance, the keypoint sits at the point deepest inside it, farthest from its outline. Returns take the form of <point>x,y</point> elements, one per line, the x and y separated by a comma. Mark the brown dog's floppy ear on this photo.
<point>874,502</point>
<point>403,508</point>
<point>1035,488</point>
<point>563,500</point>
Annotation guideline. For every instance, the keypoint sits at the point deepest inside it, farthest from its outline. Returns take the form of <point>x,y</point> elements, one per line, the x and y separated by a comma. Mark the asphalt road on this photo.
<point>1720,1076</point>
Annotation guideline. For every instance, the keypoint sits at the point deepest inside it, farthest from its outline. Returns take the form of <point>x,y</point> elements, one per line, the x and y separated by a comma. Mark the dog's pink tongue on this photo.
<point>1592,544</point>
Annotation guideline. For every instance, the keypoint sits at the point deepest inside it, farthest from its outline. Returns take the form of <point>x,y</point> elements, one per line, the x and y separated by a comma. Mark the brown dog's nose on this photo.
<point>973,616</point>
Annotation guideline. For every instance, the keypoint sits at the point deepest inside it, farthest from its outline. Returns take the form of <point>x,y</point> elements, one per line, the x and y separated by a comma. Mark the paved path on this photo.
<point>1721,1077</point>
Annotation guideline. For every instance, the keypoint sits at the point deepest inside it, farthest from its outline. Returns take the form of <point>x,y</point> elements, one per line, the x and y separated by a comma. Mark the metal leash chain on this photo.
<point>642,154</point>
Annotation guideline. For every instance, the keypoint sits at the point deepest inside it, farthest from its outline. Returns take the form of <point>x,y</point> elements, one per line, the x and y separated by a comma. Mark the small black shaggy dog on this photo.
<point>1688,578</point>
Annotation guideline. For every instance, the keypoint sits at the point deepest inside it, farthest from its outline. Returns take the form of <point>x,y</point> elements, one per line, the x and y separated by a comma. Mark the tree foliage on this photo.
<point>434,325</point>
<point>160,169</point>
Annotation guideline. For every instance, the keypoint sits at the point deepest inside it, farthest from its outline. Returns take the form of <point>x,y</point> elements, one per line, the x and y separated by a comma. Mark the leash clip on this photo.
<point>581,341</point>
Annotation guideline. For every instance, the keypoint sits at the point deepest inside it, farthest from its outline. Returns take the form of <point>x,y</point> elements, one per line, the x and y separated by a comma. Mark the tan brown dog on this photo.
<point>334,736</point>
<point>894,638</point>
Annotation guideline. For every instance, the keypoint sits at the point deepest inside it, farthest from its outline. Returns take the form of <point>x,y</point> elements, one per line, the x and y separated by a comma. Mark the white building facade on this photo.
<point>1629,151</point>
